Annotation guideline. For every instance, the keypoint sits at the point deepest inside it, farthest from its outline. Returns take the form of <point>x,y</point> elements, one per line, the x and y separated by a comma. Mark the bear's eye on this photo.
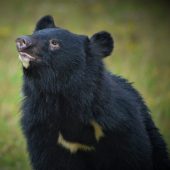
<point>54,44</point>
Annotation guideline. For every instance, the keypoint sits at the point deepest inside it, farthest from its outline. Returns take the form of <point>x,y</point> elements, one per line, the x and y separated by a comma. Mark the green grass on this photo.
<point>141,54</point>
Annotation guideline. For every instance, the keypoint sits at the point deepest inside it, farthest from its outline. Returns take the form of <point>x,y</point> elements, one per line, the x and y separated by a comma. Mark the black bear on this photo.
<point>77,115</point>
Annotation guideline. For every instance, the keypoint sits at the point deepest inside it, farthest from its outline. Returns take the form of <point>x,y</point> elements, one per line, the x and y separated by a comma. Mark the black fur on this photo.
<point>101,44</point>
<point>68,87</point>
<point>45,22</point>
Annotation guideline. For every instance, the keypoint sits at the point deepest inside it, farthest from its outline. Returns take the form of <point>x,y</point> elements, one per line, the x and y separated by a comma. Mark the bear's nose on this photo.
<point>23,42</point>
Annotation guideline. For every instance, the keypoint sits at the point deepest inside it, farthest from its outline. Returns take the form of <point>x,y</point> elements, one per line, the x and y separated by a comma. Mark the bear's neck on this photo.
<point>76,92</point>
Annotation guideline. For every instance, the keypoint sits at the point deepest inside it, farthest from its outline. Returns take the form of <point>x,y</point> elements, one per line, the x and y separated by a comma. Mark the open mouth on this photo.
<point>25,58</point>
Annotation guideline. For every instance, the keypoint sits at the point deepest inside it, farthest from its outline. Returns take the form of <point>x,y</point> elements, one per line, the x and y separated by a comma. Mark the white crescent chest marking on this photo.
<point>73,147</point>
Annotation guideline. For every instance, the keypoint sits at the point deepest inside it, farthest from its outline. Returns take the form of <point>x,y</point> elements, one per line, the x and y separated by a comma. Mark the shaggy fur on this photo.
<point>78,116</point>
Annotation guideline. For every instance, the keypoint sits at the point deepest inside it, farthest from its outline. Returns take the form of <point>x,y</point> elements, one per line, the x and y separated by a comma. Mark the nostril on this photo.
<point>23,42</point>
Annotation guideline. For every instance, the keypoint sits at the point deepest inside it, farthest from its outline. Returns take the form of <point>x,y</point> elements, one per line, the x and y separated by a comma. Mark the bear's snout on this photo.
<point>23,43</point>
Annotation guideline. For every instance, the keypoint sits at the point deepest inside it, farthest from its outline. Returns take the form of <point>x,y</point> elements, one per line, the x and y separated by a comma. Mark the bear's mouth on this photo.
<point>25,58</point>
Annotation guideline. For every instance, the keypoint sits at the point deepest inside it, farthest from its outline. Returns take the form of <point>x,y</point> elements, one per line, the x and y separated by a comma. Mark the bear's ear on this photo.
<point>101,44</point>
<point>45,22</point>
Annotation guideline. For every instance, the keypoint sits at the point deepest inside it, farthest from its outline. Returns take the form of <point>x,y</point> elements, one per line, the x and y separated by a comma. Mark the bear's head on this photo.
<point>54,54</point>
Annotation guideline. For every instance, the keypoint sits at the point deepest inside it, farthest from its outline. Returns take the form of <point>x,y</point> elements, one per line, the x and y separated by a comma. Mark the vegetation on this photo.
<point>141,33</point>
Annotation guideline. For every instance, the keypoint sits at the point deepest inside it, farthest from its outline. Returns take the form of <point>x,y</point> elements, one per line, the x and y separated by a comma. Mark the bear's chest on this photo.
<point>74,135</point>
<point>61,125</point>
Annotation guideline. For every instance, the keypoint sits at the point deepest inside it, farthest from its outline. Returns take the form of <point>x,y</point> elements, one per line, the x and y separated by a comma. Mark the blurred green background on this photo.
<point>141,30</point>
